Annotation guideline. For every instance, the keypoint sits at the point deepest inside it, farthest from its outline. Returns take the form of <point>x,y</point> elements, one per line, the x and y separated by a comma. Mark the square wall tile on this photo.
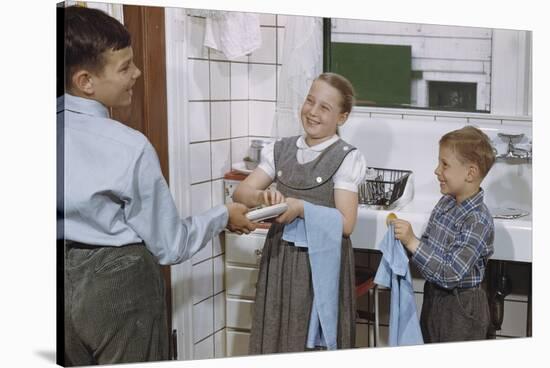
<point>280,44</point>
<point>219,267</point>
<point>199,121</point>
<point>218,194</point>
<point>221,158</point>
<point>203,319</point>
<point>282,19</point>
<point>218,244</point>
<point>261,118</point>
<point>199,161</point>
<point>201,198</point>
<point>219,344</point>
<point>239,149</point>
<point>217,55</point>
<point>202,281</point>
<point>266,52</point>
<point>267,19</point>
<point>219,79</point>
<point>203,254</point>
<point>198,79</point>
<point>195,45</point>
<point>263,82</point>
<point>219,311</point>
<point>221,117</point>
<point>239,81</point>
<point>239,118</point>
<point>204,349</point>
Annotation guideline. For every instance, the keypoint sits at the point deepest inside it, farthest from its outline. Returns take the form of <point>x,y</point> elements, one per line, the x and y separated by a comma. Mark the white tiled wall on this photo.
<point>230,101</point>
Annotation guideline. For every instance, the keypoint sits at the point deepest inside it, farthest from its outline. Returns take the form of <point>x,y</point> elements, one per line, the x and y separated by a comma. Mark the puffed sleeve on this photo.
<point>351,173</point>
<point>267,160</point>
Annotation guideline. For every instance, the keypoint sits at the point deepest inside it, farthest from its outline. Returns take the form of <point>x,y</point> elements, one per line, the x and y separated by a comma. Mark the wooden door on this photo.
<point>148,113</point>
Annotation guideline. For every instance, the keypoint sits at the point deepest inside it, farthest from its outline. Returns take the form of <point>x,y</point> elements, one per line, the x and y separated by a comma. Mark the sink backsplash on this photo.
<point>412,144</point>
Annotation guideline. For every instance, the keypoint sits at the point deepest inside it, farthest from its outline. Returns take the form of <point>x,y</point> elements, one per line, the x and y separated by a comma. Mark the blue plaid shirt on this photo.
<point>454,249</point>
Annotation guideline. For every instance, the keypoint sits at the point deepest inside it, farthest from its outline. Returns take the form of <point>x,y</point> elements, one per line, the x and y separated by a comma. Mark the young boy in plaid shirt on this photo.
<point>453,252</point>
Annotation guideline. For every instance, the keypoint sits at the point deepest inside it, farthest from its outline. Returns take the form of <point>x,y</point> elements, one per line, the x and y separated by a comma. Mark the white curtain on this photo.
<point>302,62</point>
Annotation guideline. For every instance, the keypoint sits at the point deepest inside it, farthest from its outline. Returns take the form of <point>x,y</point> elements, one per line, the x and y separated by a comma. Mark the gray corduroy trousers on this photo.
<point>114,306</point>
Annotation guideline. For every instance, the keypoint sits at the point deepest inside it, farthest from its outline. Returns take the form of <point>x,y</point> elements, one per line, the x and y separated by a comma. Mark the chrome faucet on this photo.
<point>513,151</point>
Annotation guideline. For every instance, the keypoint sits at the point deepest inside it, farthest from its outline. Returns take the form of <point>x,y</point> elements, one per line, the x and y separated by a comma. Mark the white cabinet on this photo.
<point>242,259</point>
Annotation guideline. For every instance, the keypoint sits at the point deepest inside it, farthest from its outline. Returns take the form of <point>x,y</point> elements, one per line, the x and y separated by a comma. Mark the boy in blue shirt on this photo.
<point>119,219</point>
<point>453,252</point>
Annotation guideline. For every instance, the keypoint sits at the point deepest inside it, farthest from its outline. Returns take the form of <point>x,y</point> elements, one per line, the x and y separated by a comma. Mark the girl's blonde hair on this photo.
<point>344,86</point>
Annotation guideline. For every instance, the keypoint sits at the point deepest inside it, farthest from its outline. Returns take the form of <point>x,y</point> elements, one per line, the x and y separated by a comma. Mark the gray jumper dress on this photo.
<point>284,292</point>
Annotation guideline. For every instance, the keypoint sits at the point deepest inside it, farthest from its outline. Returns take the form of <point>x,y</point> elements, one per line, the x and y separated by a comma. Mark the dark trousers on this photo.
<point>114,306</point>
<point>457,315</point>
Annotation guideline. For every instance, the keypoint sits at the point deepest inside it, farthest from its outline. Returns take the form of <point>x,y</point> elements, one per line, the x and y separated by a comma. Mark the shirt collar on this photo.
<point>466,205</point>
<point>301,143</point>
<point>82,105</point>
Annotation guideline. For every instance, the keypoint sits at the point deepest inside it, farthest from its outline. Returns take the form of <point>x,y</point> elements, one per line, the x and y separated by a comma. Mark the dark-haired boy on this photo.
<point>120,220</point>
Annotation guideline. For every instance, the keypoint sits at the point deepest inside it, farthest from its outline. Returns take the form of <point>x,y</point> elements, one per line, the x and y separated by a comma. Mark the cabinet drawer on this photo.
<point>244,249</point>
<point>237,343</point>
<point>239,313</point>
<point>241,280</point>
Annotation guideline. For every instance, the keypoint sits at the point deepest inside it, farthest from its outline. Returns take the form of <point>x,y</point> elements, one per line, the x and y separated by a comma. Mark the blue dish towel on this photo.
<point>393,272</point>
<point>321,232</point>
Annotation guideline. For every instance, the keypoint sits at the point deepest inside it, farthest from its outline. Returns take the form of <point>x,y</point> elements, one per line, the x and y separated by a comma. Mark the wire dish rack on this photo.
<point>385,186</point>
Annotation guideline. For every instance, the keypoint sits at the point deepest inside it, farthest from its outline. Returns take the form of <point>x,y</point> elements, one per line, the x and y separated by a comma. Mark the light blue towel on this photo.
<point>393,272</point>
<point>321,232</point>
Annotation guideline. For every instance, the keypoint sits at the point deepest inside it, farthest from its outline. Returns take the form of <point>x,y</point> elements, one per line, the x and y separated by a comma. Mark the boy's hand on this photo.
<point>295,209</point>
<point>404,232</point>
<point>238,222</point>
<point>270,197</point>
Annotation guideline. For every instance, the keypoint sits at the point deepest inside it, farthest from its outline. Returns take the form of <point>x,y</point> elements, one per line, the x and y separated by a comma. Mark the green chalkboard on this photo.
<point>380,74</point>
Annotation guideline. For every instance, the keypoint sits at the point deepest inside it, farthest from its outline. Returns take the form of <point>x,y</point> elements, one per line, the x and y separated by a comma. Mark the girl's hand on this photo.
<point>270,197</point>
<point>295,209</point>
<point>404,232</point>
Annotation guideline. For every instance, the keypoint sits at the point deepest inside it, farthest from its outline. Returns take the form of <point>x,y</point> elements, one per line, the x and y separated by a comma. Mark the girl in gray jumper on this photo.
<point>322,169</point>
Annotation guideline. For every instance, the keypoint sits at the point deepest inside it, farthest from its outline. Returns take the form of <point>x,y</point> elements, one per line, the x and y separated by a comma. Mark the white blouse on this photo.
<point>348,176</point>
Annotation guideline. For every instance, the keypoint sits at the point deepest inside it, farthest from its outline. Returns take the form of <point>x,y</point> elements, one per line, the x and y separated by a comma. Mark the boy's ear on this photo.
<point>82,81</point>
<point>473,173</point>
<point>343,118</point>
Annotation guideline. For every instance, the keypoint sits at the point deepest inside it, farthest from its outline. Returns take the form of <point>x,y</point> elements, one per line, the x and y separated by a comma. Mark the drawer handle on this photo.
<point>258,253</point>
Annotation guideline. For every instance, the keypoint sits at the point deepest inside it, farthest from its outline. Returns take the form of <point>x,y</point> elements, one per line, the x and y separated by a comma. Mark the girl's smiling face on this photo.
<point>321,112</point>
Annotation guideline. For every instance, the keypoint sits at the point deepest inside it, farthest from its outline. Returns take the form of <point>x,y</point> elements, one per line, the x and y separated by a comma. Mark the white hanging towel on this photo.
<point>235,34</point>
<point>302,63</point>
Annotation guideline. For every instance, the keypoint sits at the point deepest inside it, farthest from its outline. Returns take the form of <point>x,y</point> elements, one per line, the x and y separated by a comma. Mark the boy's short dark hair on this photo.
<point>470,144</point>
<point>88,34</point>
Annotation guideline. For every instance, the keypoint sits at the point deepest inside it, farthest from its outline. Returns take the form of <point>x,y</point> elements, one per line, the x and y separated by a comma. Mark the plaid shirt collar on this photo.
<point>468,205</point>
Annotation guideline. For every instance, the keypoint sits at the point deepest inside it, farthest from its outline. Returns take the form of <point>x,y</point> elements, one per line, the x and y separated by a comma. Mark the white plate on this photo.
<point>267,212</point>
<point>240,167</point>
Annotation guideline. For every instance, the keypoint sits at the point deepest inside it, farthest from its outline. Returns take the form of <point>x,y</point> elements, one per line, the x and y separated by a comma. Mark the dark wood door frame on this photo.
<point>148,111</point>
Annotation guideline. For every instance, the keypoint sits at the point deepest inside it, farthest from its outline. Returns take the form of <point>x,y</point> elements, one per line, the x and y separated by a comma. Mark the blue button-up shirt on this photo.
<point>114,190</point>
<point>458,241</point>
